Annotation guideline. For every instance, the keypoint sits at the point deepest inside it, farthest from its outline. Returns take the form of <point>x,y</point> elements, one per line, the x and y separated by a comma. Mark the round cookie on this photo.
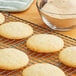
<point>43,69</point>
<point>45,43</point>
<point>15,30</point>
<point>2,18</point>
<point>68,56</point>
<point>12,59</point>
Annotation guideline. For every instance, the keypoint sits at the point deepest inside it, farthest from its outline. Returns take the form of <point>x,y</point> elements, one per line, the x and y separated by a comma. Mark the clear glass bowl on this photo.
<point>56,23</point>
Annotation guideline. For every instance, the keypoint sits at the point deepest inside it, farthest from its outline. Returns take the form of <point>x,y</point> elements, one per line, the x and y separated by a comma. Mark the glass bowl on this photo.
<point>54,20</point>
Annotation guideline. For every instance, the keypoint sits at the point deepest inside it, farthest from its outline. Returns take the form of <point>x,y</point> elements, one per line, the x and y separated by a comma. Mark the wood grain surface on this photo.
<point>32,15</point>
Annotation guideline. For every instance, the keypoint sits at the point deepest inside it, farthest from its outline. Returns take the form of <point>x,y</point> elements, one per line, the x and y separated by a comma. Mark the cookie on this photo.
<point>68,56</point>
<point>15,30</point>
<point>43,69</point>
<point>12,59</point>
<point>45,43</point>
<point>2,18</point>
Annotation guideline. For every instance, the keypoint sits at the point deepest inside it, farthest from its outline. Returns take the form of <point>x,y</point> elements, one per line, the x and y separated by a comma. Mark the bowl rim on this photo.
<point>51,12</point>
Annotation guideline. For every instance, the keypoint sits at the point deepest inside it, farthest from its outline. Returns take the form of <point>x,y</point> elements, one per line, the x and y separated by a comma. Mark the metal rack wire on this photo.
<point>51,58</point>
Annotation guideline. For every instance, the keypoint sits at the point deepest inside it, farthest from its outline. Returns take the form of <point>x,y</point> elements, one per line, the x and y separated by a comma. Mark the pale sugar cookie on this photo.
<point>43,69</point>
<point>68,56</point>
<point>12,59</point>
<point>45,43</point>
<point>15,30</point>
<point>2,18</point>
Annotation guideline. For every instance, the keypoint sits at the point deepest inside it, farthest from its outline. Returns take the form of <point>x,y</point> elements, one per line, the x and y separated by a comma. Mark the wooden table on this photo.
<point>32,15</point>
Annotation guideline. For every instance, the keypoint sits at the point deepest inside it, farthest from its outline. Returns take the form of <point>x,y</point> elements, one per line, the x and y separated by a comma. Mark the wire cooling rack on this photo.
<point>51,58</point>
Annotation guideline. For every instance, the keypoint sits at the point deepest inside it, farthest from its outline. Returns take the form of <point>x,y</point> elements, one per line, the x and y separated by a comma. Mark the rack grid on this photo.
<point>51,58</point>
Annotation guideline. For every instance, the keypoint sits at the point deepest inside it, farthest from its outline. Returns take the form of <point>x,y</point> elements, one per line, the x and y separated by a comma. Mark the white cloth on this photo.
<point>14,5</point>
